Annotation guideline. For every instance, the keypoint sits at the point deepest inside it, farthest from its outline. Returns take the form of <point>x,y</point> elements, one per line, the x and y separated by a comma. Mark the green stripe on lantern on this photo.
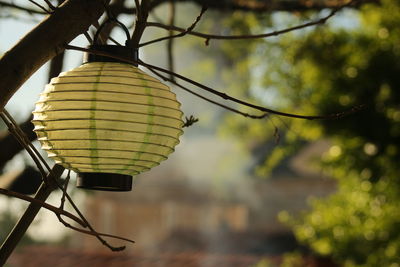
<point>107,117</point>
<point>150,111</point>
<point>92,130</point>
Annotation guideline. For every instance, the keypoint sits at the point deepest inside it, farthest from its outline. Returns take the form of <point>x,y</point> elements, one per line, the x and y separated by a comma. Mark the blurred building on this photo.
<point>180,222</point>
<point>167,211</point>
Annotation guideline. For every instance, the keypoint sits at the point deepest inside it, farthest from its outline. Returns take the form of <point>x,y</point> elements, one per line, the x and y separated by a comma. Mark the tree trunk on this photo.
<point>44,42</point>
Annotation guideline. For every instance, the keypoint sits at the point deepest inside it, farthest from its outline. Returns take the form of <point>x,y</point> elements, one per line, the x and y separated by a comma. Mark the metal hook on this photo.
<point>110,20</point>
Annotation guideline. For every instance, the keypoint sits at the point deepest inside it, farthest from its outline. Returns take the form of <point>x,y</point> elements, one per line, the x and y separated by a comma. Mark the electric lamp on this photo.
<point>107,120</point>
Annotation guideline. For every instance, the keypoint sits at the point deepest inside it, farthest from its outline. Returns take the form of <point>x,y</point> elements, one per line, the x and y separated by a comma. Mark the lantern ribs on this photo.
<point>50,37</point>
<point>51,181</point>
<point>223,95</point>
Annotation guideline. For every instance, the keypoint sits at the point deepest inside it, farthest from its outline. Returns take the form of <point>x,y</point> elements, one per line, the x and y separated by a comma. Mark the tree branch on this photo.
<point>266,6</point>
<point>118,9</point>
<point>50,5</point>
<point>220,94</point>
<point>244,103</point>
<point>44,42</point>
<point>113,11</point>
<point>29,215</point>
<point>20,136</point>
<point>208,99</point>
<point>56,65</point>
<point>40,6</point>
<point>22,8</point>
<point>141,19</point>
<point>88,232</point>
<point>55,210</point>
<point>10,146</point>
<point>171,28</point>
<point>239,37</point>
<point>49,181</point>
<point>170,43</point>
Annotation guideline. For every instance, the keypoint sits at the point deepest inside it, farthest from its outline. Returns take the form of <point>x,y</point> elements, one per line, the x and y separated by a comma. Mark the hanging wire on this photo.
<point>111,18</point>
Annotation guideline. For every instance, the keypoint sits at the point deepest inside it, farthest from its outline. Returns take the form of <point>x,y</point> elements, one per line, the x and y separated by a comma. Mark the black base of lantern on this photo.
<point>104,181</point>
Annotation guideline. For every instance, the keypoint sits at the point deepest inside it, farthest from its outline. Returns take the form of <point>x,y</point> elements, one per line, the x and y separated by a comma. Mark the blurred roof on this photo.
<point>61,257</point>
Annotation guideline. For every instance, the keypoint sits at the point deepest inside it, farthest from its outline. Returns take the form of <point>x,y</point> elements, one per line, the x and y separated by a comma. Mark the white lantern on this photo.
<point>107,121</point>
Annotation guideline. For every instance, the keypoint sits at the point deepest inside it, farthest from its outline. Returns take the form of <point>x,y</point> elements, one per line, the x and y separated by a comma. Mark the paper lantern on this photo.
<point>107,121</point>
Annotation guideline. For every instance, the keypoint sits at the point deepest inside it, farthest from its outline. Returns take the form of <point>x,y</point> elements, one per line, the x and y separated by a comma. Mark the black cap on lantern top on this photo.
<point>120,52</point>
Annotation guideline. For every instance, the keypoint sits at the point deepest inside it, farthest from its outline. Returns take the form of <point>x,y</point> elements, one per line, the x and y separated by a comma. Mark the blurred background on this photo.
<point>237,191</point>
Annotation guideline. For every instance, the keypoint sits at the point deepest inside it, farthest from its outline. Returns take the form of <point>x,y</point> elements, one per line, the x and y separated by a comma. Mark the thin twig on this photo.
<point>88,38</point>
<point>24,139</point>
<point>189,121</point>
<point>244,103</point>
<point>37,158</point>
<point>208,99</point>
<point>40,6</point>
<point>137,5</point>
<point>241,37</point>
<point>170,43</point>
<point>103,39</point>
<point>61,212</point>
<point>22,8</point>
<point>13,130</point>
<point>140,25</point>
<point>183,33</point>
<point>45,205</point>
<point>277,134</point>
<point>220,94</point>
<point>50,4</point>
<point>102,234</point>
<point>65,188</point>
<point>111,15</point>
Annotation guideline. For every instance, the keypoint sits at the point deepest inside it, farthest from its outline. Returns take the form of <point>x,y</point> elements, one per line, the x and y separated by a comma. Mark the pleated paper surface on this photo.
<point>107,117</point>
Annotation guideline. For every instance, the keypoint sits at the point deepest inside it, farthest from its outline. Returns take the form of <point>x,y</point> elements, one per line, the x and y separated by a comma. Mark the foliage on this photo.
<point>321,72</point>
<point>293,259</point>
<point>337,69</point>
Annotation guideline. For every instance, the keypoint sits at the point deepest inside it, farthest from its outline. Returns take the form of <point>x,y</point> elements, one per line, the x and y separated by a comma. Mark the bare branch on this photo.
<point>50,5</point>
<point>137,5</point>
<point>21,138</point>
<point>22,8</point>
<point>65,188</point>
<point>220,94</point>
<point>141,19</point>
<point>49,38</point>
<point>40,6</point>
<point>208,99</point>
<point>120,9</point>
<point>56,65</point>
<point>170,43</point>
<point>96,234</point>
<point>183,33</point>
<point>10,146</point>
<point>241,37</point>
<point>257,107</point>
<point>90,232</point>
<point>266,6</point>
<point>37,158</point>
<point>55,210</point>
<point>25,142</point>
<point>29,215</point>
